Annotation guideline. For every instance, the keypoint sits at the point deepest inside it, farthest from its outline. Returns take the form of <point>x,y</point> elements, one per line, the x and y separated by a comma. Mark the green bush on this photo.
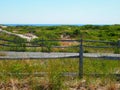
<point>18,45</point>
<point>45,44</point>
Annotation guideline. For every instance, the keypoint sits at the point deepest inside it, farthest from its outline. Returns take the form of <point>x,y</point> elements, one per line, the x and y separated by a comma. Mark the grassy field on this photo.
<point>19,75</point>
<point>53,79</point>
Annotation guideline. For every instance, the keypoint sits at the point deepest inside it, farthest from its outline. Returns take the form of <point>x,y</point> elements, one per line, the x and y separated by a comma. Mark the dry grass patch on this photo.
<point>2,54</point>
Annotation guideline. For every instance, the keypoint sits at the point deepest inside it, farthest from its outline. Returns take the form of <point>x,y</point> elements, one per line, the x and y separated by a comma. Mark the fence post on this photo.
<point>118,43</point>
<point>81,59</point>
<point>42,44</point>
<point>118,46</point>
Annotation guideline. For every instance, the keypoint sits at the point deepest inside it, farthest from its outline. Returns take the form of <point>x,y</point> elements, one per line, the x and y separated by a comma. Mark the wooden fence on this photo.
<point>81,47</point>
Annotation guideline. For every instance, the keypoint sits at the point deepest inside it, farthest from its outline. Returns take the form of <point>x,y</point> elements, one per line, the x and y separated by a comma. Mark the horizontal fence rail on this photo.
<point>100,41</point>
<point>42,55</point>
<point>73,74</point>
<point>99,46</point>
<point>31,44</point>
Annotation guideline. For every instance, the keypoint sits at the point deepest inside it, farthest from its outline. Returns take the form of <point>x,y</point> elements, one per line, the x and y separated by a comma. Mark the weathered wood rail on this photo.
<point>7,55</point>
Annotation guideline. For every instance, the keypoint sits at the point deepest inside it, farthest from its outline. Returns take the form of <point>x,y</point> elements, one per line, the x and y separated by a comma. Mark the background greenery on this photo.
<point>64,32</point>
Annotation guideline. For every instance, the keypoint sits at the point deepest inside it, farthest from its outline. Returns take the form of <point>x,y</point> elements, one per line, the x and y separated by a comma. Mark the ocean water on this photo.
<point>41,24</point>
<point>51,24</point>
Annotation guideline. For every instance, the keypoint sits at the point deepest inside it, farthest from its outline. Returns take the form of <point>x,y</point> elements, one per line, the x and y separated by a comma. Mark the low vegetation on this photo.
<point>48,74</point>
<point>65,32</point>
<point>95,32</point>
<point>27,74</point>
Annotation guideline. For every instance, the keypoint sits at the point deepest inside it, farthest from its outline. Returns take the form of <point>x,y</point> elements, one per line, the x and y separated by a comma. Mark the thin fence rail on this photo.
<point>99,46</point>
<point>100,41</point>
<point>36,44</point>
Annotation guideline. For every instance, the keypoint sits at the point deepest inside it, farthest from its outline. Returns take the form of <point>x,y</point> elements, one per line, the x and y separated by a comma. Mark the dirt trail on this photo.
<point>19,35</point>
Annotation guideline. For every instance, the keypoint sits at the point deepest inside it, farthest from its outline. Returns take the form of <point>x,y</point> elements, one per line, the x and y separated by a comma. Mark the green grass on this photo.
<point>54,68</point>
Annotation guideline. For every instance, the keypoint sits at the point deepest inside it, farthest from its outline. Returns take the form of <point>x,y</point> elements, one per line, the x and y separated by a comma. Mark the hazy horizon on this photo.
<point>54,24</point>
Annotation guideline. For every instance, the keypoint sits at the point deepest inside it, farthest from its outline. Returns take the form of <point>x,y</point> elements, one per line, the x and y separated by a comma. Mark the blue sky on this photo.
<point>59,11</point>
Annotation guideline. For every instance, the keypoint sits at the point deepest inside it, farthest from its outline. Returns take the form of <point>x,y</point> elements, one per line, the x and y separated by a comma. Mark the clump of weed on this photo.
<point>55,76</point>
